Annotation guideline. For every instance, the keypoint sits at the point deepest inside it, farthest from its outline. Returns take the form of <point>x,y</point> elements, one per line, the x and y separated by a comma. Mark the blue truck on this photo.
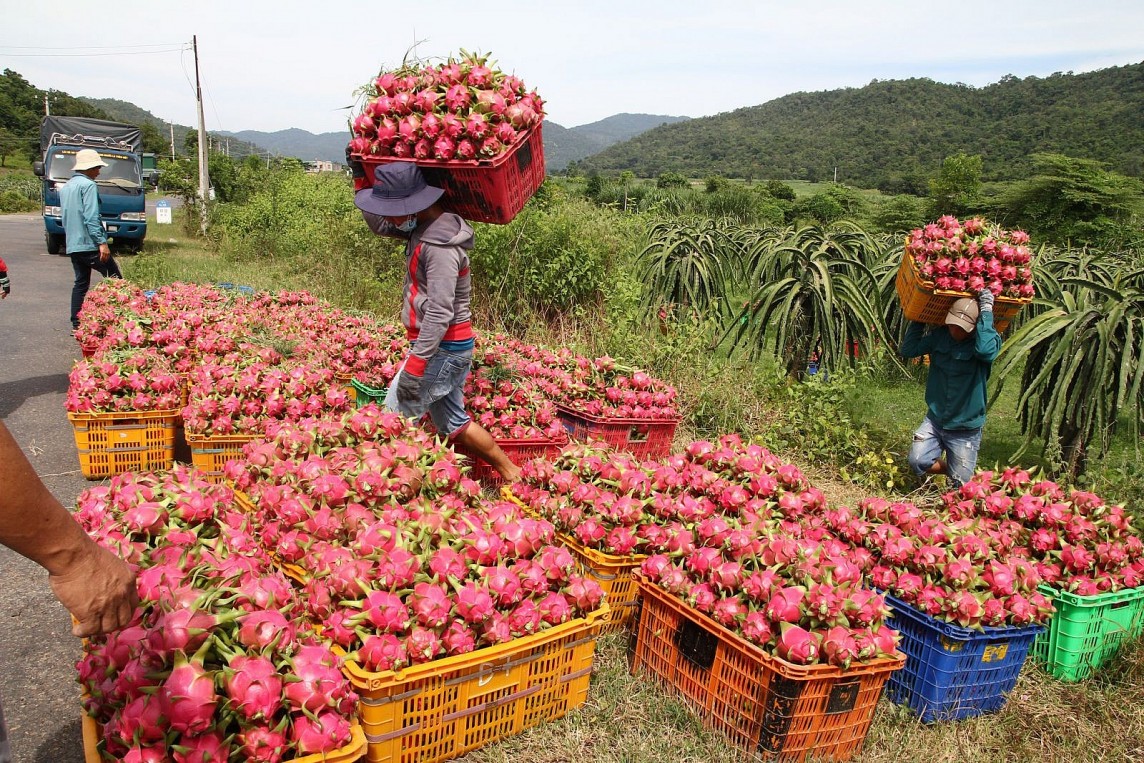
<point>122,194</point>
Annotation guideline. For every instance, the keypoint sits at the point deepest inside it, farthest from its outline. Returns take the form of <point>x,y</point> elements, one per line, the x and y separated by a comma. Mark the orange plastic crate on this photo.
<point>769,707</point>
<point>113,443</point>
<point>923,303</point>
<point>209,453</point>
<point>485,190</point>
<point>351,752</point>
<point>440,710</point>
<point>643,438</point>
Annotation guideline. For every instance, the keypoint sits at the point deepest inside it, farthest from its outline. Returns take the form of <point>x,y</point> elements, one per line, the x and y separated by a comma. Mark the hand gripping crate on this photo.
<point>1087,631</point>
<point>773,709</point>
<point>113,443</point>
<point>518,451</point>
<point>209,453</point>
<point>440,710</point>
<point>351,752</point>
<point>480,190</point>
<point>643,438</point>
<point>612,571</point>
<point>953,672</point>
<point>923,303</point>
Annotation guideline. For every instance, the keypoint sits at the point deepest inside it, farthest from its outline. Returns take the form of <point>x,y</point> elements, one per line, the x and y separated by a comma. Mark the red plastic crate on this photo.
<point>485,190</point>
<point>518,451</point>
<point>643,438</point>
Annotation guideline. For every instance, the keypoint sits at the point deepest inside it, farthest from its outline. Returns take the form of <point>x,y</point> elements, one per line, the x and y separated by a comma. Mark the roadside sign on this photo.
<point>162,211</point>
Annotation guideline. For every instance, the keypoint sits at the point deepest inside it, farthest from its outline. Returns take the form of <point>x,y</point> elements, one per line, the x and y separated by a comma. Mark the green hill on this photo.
<point>890,134</point>
<point>123,111</point>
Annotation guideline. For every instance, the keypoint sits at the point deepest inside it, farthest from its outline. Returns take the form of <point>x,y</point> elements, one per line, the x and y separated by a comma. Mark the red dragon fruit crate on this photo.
<point>950,259</point>
<point>626,408</point>
<point>472,129</point>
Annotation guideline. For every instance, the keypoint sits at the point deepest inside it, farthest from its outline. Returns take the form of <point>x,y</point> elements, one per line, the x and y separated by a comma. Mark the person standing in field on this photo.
<point>435,307</point>
<point>86,240</point>
<point>961,355</point>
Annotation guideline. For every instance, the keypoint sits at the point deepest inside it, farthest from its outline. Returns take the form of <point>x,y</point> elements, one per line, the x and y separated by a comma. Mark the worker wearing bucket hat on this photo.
<point>86,240</point>
<point>435,307</point>
<point>961,355</point>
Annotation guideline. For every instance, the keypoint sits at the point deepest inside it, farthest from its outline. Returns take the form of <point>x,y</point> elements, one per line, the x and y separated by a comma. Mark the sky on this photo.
<point>275,64</point>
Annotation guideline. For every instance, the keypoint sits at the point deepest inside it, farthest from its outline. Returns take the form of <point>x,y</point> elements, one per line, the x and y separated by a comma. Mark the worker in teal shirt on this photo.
<point>86,240</point>
<point>961,354</point>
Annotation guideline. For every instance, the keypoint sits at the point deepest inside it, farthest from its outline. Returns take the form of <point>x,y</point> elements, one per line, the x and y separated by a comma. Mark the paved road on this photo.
<point>37,651</point>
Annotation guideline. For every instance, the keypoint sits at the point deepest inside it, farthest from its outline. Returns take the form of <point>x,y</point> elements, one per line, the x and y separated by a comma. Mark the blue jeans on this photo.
<point>83,263</point>
<point>442,391</point>
<point>959,445</point>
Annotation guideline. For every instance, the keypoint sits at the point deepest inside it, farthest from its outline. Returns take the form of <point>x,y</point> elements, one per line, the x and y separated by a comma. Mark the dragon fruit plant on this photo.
<point>218,662</point>
<point>465,109</point>
<point>973,256</point>
<point>1075,540</point>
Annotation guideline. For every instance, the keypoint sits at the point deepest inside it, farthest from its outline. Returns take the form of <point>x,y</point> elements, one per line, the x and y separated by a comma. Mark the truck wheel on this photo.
<point>55,242</point>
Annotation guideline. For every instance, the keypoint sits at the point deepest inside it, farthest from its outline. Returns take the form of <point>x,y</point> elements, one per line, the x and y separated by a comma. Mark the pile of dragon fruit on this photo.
<point>745,538</point>
<point>137,379</point>
<point>465,109</point>
<point>245,361</point>
<point>403,560</point>
<point>219,661</point>
<point>972,256</point>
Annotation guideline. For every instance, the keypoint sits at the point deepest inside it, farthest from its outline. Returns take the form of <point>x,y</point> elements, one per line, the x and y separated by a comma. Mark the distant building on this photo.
<point>319,165</point>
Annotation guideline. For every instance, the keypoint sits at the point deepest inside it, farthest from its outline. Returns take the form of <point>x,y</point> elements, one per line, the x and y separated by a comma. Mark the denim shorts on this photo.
<point>441,392</point>
<point>959,445</point>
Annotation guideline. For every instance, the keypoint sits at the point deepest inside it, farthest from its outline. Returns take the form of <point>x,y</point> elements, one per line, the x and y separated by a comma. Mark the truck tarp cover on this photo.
<point>95,128</point>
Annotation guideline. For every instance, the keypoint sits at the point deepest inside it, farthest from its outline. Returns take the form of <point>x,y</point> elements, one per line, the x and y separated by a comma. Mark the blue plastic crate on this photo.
<point>952,672</point>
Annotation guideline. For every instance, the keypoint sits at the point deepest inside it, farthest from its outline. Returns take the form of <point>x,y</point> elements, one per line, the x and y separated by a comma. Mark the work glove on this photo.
<point>408,388</point>
<point>985,301</point>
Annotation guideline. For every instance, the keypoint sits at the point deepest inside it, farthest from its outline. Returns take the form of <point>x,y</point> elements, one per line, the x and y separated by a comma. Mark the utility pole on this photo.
<point>172,141</point>
<point>47,109</point>
<point>204,182</point>
<point>836,174</point>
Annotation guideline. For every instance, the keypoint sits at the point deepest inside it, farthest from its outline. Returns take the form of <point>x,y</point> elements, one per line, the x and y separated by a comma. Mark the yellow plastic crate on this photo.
<point>209,453</point>
<point>443,709</point>
<point>351,752</point>
<point>612,572</point>
<point>923,303</point>
<point>113,443</point>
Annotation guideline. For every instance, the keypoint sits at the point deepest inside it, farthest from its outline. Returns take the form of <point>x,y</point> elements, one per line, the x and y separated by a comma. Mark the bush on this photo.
<point>13,201</point>
<point>552,259</point>
<point>19,193</point>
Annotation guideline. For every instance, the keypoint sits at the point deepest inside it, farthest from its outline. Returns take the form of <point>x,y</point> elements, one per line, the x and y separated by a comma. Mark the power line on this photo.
<point>90,55</point>
<point>93,47</point>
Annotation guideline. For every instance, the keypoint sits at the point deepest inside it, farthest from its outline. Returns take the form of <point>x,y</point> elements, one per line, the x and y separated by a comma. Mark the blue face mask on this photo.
<point>408,226</point>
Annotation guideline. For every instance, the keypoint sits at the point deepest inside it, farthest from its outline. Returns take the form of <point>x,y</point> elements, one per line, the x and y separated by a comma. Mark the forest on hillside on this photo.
<point>893,134</point>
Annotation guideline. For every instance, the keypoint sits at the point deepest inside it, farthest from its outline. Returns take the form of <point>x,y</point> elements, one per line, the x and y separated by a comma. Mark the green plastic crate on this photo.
<point>1086,631</point>
<point>367,394</point>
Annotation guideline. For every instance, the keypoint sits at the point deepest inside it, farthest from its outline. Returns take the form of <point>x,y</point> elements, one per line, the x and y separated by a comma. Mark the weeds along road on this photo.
<point>37,651</point>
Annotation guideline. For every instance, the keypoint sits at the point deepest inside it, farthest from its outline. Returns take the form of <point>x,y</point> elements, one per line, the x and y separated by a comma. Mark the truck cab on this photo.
<point>122,193</point>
